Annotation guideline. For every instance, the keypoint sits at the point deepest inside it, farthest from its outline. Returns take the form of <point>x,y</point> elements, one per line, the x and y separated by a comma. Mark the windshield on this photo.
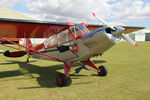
<point>78,29</point>
<point>82,28</point>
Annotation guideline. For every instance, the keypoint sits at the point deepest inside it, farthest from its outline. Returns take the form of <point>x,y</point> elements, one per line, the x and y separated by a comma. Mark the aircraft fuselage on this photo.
<point>91,44</point>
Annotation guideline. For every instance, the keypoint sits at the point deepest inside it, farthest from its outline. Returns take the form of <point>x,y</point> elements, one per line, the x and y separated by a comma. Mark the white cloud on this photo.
<point>8,3</point>
<point>73,10</point>
<point>79,10</point>
<point>12,3</point>
<point>68,9</point>
<point>131,10</point>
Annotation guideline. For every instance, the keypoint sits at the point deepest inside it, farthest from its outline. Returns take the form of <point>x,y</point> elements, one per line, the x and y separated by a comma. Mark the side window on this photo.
<point>64,37</point>
<point>73,30</point>
<point>78,32</point>
<point>51,41</point>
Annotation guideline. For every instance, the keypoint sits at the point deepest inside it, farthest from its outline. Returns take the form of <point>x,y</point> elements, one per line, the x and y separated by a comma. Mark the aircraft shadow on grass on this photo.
<point>47,75</point>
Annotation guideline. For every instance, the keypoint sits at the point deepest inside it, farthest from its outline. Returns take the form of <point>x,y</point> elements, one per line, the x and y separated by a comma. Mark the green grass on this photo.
<point>128,77</point>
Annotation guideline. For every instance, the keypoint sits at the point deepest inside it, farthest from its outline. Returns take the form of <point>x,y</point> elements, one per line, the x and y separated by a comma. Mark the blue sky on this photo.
<point>130,12</point>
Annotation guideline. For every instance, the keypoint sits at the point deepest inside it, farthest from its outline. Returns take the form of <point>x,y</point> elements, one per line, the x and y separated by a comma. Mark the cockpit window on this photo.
<point>66,35</point>
<point>78,29</point>
<point>58,39</point>
<point>82,27</point>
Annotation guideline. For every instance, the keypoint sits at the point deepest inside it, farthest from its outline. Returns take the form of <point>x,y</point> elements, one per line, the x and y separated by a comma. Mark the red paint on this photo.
<point>59,80</point>
<point>80,35</point>
<point>39,47</point>
<point>90,63</point>
<point>70,24</point>
<point>14,39</point>
<point>86,25</point>
<point>71,34</point>
<point>24,42</point>
<point>19,49</point>
<point>32,50</point>
<point>136,44</point>
<point>75,48</point>
<point>29,43</point>
<point>15,54</point>
<point>25,51</point>
<point>67,67</point>
<point>17,30</point>
<point>93,14</point>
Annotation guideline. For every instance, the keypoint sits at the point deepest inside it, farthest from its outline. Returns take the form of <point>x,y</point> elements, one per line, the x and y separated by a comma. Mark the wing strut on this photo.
<point>67,67</point>
<point>28,45</point>
<point>36,52</point>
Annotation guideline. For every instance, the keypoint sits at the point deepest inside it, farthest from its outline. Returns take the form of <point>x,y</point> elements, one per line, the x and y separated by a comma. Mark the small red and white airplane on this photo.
<point>65,42</point>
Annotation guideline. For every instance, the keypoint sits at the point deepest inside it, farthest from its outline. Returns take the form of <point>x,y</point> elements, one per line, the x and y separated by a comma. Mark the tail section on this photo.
<point>19,53</point>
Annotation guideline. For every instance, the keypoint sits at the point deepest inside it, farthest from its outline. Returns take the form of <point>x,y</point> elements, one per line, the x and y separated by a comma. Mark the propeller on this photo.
<point>103,21</point>
<point>127,39</point>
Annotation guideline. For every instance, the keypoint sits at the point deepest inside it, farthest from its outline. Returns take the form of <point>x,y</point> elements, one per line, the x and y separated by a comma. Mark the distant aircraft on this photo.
<point>65,42</point>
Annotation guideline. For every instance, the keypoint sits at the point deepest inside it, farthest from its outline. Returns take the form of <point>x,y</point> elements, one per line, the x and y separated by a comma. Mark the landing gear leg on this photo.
<point>77,70</point>
<point>62,79</point>
<point>102,71</point>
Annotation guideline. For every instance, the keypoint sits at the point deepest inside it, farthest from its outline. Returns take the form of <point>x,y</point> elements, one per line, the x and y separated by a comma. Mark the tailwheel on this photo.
<point>61,80</point>
<point>103,71</point>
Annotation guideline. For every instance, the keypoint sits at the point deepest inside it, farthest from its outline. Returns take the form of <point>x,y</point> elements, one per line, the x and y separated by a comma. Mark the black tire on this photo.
<point>61,80</point>
<point>103,71</point>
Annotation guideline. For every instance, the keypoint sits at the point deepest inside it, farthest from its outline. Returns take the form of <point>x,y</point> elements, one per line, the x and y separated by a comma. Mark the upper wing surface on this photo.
<point>128,29</point>
<point>14,28</point>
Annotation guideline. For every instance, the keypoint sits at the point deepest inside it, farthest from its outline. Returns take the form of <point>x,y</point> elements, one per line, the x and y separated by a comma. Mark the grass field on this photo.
<point>128,77</point>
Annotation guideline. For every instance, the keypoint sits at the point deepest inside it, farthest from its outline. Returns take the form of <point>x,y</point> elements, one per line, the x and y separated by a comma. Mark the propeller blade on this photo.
<point>104,22</point>
<point>116,34</point>
<point>129,40</point>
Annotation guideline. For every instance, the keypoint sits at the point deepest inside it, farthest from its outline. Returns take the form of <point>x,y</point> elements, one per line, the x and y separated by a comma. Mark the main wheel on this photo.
<point>103,71</point>
<point>61,80</point>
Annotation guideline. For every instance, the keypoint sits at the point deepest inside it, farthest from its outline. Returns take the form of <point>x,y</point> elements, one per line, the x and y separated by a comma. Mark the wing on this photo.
<point>14,28</point>
<point>128,29</point>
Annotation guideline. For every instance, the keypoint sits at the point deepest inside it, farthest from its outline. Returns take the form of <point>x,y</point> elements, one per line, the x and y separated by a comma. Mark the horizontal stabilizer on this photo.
<point>14,54</point>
